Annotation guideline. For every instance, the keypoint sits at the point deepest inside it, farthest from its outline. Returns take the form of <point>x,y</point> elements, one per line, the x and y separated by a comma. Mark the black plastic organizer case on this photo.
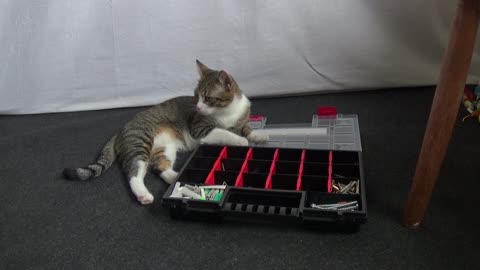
<point>282,184</point>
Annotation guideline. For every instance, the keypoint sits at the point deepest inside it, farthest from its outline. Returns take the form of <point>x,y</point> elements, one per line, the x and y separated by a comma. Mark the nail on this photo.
<point>352,189</point>
<point>175,192</point>
<point>189,193</point>
<point>213,194</point>
<point>213,187</point>
<point>195,188</point>
<point>347,187</point>
<point>334,205</point>
<point>353,207</point>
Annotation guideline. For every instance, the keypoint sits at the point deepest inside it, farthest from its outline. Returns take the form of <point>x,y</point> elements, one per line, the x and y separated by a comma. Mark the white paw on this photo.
<point>145,198</point>
<point>258,137</point>
<point>140,191</point>
<point>169,176</point>
<point>240,141</point>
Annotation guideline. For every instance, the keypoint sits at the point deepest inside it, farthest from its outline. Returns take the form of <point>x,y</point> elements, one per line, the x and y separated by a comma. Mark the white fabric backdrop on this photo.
<point>68,55</point>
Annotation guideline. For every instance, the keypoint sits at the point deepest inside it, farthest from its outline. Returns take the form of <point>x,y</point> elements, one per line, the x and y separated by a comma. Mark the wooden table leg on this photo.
<point>443,114</point>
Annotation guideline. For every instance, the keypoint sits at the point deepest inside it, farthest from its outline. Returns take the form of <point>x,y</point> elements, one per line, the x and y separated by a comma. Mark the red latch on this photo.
<point>327,111</point>
<point>256,118</point>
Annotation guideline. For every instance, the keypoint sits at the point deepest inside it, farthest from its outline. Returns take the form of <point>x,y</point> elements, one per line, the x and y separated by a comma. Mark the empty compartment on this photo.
<point>345,157</point>
<point>254,180</point>
<point>341,170</point>
<point>287,154</point>
<point>287,182</point>
<point>193,176</point>
<point>315,169</point>
<point>263,198</point>
<point>314,183</point>
<point>236,152</point>
<point>224,176</point>
<point>282,167</point>
<point>263,153</point>
<point>322,199</point>
<point>231,164</point>
<point>204,163</point>
<point>319,156</point>
<point>208,151</point>
<point>258,166</point>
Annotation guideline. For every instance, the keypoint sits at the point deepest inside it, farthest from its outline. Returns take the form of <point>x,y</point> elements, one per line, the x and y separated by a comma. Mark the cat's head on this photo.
<point>216,90</point>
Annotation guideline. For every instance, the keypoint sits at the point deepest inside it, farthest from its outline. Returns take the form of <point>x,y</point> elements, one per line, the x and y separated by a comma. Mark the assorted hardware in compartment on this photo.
<point>298,184</point>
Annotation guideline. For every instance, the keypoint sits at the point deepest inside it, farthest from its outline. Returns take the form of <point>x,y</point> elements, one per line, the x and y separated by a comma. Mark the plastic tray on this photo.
<point>281,180</point>
<point>272,183</point>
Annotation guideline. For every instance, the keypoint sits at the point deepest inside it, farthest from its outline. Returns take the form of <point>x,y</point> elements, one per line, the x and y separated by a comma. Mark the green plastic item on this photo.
<point>218,196</point>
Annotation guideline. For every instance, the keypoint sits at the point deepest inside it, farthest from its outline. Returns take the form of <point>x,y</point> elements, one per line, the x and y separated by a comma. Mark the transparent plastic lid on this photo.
<point>339,132</point>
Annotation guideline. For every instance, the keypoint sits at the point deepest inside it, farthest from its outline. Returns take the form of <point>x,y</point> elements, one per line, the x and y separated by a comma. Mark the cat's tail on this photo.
<point>103,162</point>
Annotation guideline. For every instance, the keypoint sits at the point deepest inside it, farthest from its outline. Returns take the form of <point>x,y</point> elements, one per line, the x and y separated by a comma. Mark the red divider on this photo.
<point>244,169</point>
<point>216,167</point>
<point>330,160</point>
<point>268,184</point>
<point>300,171</point>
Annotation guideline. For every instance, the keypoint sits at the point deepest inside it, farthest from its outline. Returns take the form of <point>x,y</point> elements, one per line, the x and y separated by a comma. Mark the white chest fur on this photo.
<point>229,116</point>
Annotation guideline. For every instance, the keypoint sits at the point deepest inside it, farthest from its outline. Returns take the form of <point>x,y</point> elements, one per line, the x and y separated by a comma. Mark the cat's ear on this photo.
<point>225,79</point>
<point>202,69</point>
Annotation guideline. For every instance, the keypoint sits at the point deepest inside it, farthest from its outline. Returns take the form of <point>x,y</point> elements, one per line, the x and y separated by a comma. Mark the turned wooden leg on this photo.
<point>444,109</point>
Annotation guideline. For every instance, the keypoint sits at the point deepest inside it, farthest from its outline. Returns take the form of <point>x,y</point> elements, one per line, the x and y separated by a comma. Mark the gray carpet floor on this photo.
<point>49,223</point>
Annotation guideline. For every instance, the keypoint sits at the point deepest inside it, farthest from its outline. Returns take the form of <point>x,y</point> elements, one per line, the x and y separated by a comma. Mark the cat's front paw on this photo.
<point>240,141</point>
<point>258,137</point>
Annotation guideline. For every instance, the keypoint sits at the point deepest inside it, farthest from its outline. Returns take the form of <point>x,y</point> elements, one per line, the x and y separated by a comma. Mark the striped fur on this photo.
<point>217,113</point>
<point>103,162</point>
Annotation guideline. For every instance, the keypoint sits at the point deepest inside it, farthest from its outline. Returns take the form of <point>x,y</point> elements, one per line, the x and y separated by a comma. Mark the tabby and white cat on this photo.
<point>218,113</point>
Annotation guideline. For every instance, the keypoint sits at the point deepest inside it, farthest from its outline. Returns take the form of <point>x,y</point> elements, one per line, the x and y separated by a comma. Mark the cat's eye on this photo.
<point>211,99</point>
